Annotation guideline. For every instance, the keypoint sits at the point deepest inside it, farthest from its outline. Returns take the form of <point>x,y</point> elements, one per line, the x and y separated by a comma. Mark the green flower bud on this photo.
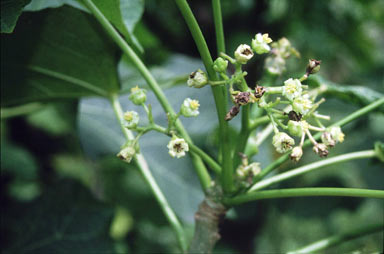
<point>197,79</point>
<point>295,128</point>
<point>138,96</point>
<point>220,65</point>
<point>313,66</point>
<point>190,108</point>
<point>132,118</point>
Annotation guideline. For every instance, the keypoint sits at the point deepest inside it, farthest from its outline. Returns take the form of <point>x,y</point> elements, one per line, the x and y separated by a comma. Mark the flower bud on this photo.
<point>197,79</point>
<point>177,147</point>
<point>132,118</point>
<point>295,128</point>
<point>260,43</point>
<point>242,98</point>
<point>190,108</point>
<point>320,149</point>
<point>337,134</point>
<point>282,142</point>
<point>127,153</point>
<point>220,65</point>
<point>296,153</point>
<point>243,53</point>
<point>232,113</point>
<point>313,66</point>
<point>327,139</point>
<point>138,96</point>
<point>292,88</point>
<point>302,104</point>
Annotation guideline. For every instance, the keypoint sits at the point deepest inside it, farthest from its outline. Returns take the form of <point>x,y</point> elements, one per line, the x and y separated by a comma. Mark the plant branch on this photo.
<point>205,157</point>
<point>143,166</point>
<point>340,123</point>
<point>310,167</point>
<point>339,239</point>
<point>201,171</point>
<point>218,93</point>
<point>303,192</point>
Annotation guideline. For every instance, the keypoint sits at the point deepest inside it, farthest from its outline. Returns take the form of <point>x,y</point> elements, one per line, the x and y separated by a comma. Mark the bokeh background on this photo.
<point>63,190</point>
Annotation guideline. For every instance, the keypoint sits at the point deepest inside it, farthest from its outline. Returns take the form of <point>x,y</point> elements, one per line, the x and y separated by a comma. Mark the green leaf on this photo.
<point>10,12</point>
<point>65,219</point>
<point>62,59</point>
<point>38,5</point>
<point>359,95</point>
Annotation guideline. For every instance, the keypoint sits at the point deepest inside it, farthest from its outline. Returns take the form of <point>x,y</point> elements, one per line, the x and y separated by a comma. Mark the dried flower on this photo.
<point>296,153</point>
<point>242,98</point>
<point>327,139</point>
<point>243,53</point>
<point>177,147</point>
<point>320,149</point>
<point>197,79</point>
<point>259,91</point>
<point>232,113</point>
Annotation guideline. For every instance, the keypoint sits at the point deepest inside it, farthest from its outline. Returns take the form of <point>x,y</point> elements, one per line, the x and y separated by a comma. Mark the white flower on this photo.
<point>132,118</point>
<point>190,108</point>
<point>337,134</point>
<point>275,65</point>
<point>197,79</point>
<point>292,88</point>
<point>177,147</point>
<point>296,153</point>
<point>282,142</point>
<point>260,43</point>
<point>243,53</point>
<point>302,104</point>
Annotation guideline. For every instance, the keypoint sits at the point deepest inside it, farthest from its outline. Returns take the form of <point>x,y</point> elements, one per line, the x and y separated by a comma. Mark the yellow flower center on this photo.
<point>134,89</point>
<point>194,104</point>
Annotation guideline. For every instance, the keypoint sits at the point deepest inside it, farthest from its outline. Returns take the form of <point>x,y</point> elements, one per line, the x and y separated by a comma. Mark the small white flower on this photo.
<point>292,88</point>
<point>327,139</point>
<point>275,65</point>
<point>302,104</point>
<point>243,53</point>
<point>296,153</point>
<point>197,79</point>
<point>337,134</point>
<point>177,147</point>
<point>260,43</point>
<point>190,108</point>
<point>132,118</point>
<point>282,142</point>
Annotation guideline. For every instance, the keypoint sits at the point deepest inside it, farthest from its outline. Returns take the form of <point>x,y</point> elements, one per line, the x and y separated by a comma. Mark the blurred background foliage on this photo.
<point>63,190</point>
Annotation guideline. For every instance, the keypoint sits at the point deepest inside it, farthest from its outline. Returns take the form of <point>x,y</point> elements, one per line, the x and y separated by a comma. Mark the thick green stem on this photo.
<point>342,122</point>
<point>217,17</point>
<point>310,167</point>
<point>218,93</point>
<point>143,167</point>
<point>201,171</point>
<point>339,239</point>
<point>205,157</point>
<point>303,192</point>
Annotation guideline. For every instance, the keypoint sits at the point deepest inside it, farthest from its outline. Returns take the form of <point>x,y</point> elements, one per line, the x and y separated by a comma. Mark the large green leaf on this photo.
<point>123,14</point>
<point>65,219</point>
<point>359,95</point>
<point>57,53</point>
<point>10,12</point>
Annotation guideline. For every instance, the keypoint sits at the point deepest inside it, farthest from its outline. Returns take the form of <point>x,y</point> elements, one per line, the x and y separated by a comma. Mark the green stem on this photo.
<point>219,94</point>
<point>201,171</point>
<point>338,239</point>
<point>303,192</point>
<point>310,167</point>
<point>217,17</point>
<point>143,167</point>
<point>20,110</point>
<point>205,157</point>
<point>340,123</point>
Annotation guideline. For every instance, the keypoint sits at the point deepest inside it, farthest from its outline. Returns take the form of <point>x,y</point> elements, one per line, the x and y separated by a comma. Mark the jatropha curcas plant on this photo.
<point>290,110</point>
